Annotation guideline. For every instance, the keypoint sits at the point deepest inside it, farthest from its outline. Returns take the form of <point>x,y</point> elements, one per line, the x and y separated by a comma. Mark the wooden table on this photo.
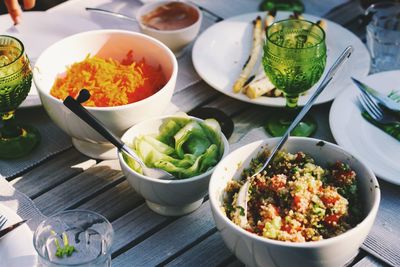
<point>70,180</point>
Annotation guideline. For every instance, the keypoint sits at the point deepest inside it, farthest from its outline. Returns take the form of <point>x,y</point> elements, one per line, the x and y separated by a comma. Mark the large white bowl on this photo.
<point>166,197</point>
<point>176,40</point>
<point>254,250</point>
<point>108,44</point>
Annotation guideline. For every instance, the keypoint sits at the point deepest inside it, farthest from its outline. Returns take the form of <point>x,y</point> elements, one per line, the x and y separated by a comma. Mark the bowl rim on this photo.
<point>171,80</point>
<point>311,244</point>
<point>160,3</point>
<point>177,181</point>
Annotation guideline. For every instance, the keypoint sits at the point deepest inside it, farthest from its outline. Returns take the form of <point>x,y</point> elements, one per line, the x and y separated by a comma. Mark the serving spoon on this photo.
<point>109,12</point>
<point>76,107</point>
<point>243,194</point>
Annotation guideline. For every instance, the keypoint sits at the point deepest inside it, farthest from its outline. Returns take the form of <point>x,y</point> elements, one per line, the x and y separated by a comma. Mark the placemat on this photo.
<point>21,204</point>
<point>53,141</point>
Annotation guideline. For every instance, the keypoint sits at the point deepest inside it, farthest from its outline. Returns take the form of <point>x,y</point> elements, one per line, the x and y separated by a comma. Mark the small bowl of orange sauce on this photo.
<point>174,23</point>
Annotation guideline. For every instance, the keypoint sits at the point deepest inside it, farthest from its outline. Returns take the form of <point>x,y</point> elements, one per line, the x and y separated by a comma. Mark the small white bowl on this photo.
<point>176,40</point>
<point>254,250</point>
<point>107,44</point>
<point>166,197</point>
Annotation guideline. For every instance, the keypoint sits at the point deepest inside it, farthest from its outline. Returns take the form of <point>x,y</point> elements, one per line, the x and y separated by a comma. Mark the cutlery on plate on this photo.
<point>375,111</point>
<point>381,98</point>
<point>10,228</point>
<point>382,119</point>
<point>243,194</point>
<point>76,107</point>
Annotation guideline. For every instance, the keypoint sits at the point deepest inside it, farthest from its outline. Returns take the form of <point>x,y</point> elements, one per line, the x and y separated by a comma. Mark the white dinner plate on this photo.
<point>37,31</point>
<point>16,248</point>
<point>220,52</point>
<point>378,150</point>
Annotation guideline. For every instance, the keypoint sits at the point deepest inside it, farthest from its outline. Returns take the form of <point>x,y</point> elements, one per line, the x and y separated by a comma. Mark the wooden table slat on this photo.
<point>385,231</point>
<point>52,173</point>
<point>193,96</point>
<point>345,13</point>
<point>228,105</point>
<point>92,181</point>
<point>355,27</point>
<point>235,263</point>
<point>170,240</point>
<point>369,261</point>
<point>135,224</point>
<point>209,252</point>
<point>246,120</point>
<point>115,202</point>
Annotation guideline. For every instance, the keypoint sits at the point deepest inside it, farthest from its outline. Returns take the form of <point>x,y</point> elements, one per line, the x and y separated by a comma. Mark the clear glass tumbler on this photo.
<point>383,36</point>
<point>74,238</point>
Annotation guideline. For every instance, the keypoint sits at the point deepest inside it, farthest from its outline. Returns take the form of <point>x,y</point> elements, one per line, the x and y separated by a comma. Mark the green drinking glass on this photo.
<point>15,83</point>
<point>294,60</point>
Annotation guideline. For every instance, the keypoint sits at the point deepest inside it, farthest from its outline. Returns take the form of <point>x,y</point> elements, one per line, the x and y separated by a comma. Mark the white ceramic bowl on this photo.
<point>108,44</point>
<point>254,250</point>
<point>166,197</point>
<point>176,40</point>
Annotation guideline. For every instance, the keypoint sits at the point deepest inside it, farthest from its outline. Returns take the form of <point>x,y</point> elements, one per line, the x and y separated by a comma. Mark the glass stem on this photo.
<point>291,106</point>
<point>8,128</point>
<point>291,101</point>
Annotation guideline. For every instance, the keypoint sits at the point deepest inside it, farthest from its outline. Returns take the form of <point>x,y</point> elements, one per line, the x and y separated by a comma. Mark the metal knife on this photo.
<point>381,98</point>
<point>5,231</point>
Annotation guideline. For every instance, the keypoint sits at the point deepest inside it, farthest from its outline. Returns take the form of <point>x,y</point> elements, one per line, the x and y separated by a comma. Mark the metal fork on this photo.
<point>375,111</point>
<point>3,221</point>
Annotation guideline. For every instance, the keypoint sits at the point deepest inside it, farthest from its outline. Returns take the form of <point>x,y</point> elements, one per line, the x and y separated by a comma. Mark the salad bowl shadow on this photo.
<point>254,250</point>
<point>106,44</point>
<point>166,197</point>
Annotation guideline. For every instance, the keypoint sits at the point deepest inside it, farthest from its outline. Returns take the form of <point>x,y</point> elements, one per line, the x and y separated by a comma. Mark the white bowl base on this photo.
<point>174,210</point>
<point>97,151</point>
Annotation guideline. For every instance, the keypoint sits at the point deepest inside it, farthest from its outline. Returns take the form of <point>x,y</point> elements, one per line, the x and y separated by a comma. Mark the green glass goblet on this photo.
<point>294,60</point>
<point>15,83</point>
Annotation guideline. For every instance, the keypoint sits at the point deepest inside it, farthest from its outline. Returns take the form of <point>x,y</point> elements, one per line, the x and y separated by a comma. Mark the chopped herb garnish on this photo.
<point>229,208</point>
<point>67,250</point>
<point>241,210</point>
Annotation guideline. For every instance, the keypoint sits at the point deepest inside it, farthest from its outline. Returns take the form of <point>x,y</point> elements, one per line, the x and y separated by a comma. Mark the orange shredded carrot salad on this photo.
<point>110,83</point>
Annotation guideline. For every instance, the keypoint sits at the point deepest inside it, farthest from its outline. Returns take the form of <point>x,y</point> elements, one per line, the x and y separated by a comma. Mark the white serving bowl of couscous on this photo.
<point>282,235</point>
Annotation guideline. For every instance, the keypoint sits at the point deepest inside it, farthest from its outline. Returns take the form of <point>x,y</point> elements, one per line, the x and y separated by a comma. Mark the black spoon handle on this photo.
<point>82,113</point>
